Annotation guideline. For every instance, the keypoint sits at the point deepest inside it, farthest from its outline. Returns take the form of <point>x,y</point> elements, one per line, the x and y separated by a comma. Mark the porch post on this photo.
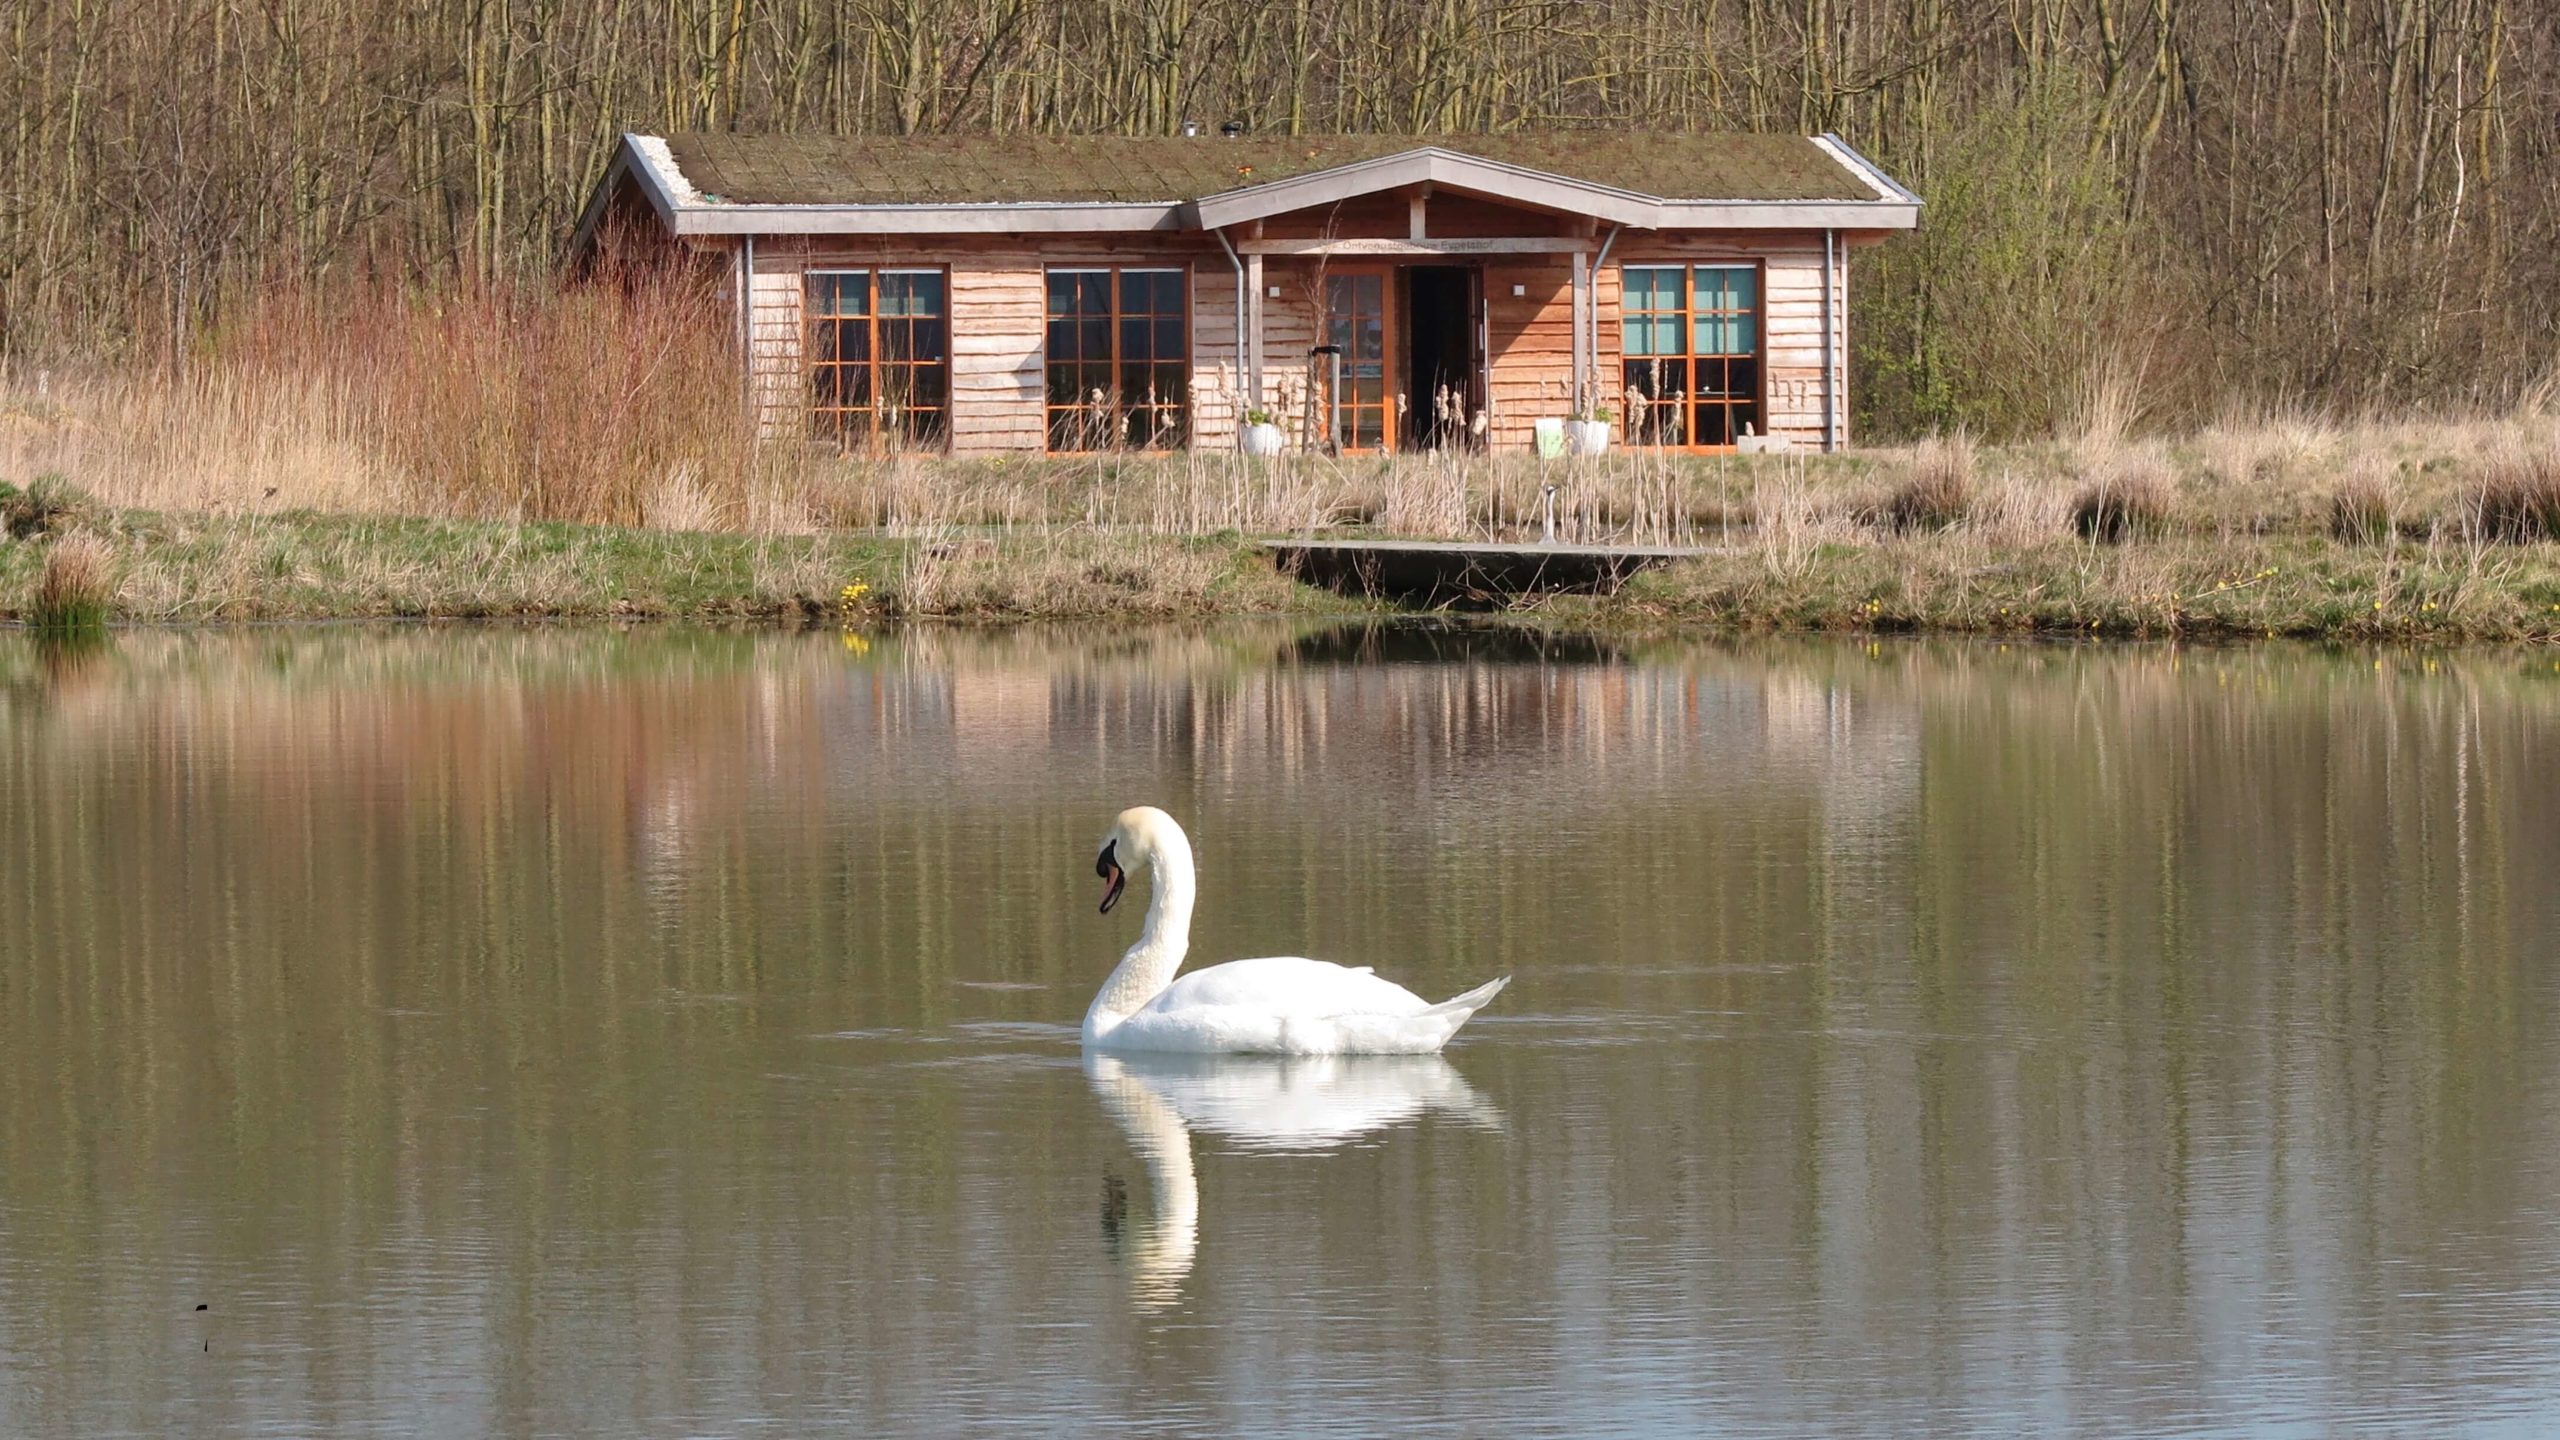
<point>1250,331</point>
<point>1582,307</point>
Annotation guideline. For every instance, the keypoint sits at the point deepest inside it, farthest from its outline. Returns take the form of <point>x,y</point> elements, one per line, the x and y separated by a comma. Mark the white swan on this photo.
<point>1280,1005</point>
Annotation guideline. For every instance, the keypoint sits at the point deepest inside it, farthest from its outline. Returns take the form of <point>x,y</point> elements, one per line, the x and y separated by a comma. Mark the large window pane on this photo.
<point>1117,366</point>
<point>1064,387</point>
<point>1652,288</point>
<point>1692,342</point>
<point>910,292</point>
<point>877,344</point>
<point>840,292</point>
<point>1150,292</point>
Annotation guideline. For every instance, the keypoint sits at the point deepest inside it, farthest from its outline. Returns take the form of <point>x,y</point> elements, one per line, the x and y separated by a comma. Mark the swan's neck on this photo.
<point>1148,967</point>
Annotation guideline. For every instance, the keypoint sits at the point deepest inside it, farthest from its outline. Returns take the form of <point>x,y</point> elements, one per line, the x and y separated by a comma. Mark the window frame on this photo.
<point>1689,356</point>
<point>1174,414</point>
<point>879,432</point>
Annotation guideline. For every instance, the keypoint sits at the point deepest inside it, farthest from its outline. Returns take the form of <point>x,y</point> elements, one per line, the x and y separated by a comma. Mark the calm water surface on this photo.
<point>672,1033</point>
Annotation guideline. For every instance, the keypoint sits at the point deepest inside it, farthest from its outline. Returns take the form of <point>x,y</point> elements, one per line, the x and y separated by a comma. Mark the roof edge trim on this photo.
<point>1886,187</point>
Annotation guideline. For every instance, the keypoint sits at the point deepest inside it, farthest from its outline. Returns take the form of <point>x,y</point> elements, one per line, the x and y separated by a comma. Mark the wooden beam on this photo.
<point>1414,225</point>
<point>1582,308</point>
<point>1249,325</point>
<point>1494,245</point>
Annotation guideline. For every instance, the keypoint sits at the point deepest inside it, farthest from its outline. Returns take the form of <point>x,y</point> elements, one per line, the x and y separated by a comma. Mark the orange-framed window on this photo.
<point>879,348</point>
<point>1690,360</point>
<point>1118,357</point>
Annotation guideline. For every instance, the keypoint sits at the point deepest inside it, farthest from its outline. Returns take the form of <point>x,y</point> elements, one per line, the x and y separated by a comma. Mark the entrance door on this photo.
<point>1441,356</point>
<point>1361,320</point>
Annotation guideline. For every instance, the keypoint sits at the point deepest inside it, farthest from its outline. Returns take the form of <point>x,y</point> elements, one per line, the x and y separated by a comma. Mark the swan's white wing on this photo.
<point>1284,1005</point>
<point>1287,985</point>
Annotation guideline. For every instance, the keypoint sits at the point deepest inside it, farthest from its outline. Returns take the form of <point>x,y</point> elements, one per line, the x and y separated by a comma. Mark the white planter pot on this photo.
<point>1264,439</point>
<point>1587,437</point>
<point>1549,437</point>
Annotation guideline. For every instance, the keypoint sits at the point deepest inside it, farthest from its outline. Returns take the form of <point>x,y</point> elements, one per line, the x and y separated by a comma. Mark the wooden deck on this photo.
<point>1461,573</point>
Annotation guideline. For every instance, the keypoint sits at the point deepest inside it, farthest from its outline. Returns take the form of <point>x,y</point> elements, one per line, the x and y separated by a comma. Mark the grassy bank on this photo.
<point>180,569</point>
<point>2304,587</point>
<point>159,568</point>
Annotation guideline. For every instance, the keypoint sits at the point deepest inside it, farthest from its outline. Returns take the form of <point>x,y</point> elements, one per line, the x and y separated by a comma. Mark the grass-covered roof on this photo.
<point>959,170</point>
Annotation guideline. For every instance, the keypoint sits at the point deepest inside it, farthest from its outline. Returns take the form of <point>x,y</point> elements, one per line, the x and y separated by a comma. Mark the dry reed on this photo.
<point>2515,498</point>
<point>2132,497</point>
<point>76,589</point>
<point>2362,508</point>
<point>1936,487</point>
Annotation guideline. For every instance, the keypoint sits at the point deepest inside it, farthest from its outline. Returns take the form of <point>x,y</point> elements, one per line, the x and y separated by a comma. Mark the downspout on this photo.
<point>1244,383</point>
<point>1830,360</point>
<point>1592,345</point>
<point>747,327</point>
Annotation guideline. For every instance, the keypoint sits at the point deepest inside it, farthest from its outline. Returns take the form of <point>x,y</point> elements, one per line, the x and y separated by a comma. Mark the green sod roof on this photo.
<point>979,169</point>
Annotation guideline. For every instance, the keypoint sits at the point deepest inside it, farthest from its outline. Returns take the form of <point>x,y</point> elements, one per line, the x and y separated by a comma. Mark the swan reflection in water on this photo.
<point>1299,1105</point>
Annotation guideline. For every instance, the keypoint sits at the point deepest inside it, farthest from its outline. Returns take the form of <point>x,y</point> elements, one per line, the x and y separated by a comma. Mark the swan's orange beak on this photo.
<point>1115,880</point>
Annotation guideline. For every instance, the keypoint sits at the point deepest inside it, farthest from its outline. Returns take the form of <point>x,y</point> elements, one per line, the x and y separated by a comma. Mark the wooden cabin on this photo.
<point>1019,294</point>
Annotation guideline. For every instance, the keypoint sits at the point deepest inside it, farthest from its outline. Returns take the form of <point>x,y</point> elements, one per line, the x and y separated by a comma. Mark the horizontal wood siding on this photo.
<point>998,331</point>
<point>1530,363</point>
<point>1390,217</point>
<point>998,298</point>
<point>775,385</point>
<point>1217,366</point>
<point>997,304</point>
<point>1291,384</point>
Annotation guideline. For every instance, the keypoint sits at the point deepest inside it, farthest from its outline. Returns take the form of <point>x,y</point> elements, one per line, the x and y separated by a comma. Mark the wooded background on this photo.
<point>2186,205</point>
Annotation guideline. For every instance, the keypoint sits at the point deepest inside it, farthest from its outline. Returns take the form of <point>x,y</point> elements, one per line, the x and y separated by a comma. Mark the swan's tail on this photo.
<point>1471,1002</point>
<point>1457,1011</point>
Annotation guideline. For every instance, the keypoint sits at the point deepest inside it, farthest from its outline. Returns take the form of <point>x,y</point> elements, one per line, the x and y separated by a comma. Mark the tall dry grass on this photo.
<point>619,402</point>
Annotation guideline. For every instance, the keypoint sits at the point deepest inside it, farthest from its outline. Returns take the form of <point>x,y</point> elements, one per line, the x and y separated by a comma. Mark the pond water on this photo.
<point>594,1032</point>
